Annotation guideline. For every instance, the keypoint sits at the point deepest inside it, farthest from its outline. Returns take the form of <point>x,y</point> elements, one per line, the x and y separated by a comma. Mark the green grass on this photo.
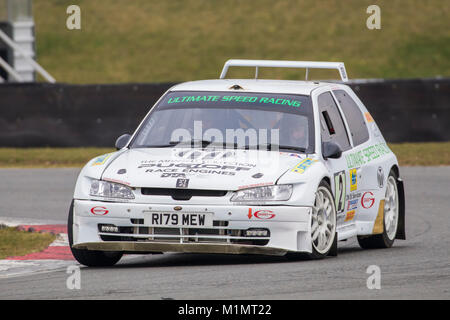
<point>18,243</point>
<point>48,157</point>
<point>422,154</point>
<point>178,40</point>
<point>408,154</point>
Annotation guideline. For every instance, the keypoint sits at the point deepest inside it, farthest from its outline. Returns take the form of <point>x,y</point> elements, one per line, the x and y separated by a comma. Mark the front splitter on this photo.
<point>132,246</point>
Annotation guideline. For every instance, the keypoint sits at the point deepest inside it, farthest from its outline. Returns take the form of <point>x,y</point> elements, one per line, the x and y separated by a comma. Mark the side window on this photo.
<point>331,124</point>
<point>354,116</point>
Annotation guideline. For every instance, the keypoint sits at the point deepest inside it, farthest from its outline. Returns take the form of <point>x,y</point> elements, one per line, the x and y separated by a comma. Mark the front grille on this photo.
<point>218,234</point>
<point>182,194</point>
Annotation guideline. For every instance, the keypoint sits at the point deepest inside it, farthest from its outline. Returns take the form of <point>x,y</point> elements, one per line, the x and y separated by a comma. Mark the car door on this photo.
<point>362,196</point>
<point>333,128</point>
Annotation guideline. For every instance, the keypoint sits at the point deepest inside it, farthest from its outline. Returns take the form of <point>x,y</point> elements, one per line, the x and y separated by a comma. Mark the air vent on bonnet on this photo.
<point>182,194</point>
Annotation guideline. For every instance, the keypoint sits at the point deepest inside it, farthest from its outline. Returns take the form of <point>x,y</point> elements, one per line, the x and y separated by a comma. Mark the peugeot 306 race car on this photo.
<point>242,167</point>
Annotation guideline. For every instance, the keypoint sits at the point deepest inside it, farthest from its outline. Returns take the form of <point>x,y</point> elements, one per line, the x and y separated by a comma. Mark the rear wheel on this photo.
<point>323,225</point>
<point>390,219</point>
<point>88,257</point>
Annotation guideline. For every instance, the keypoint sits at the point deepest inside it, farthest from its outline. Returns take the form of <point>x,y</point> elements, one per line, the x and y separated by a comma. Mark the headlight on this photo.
<point>110,190</point>
<point>269,193</point>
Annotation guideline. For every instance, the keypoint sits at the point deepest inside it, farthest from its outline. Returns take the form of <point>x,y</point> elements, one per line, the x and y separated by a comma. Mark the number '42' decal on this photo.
<point>339,191</point>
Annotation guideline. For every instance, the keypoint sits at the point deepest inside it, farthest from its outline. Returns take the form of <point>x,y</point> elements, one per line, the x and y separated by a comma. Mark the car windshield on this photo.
<point>231,120</point>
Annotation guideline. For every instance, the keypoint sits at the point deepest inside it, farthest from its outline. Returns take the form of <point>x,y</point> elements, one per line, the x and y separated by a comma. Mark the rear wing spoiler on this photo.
<point>285,64</point>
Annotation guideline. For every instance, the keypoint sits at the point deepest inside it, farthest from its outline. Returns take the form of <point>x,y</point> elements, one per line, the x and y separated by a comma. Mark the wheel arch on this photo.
<point>396,170</point>
<point>326,179</point>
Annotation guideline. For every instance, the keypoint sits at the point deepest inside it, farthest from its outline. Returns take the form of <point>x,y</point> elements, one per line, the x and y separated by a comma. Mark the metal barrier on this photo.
<point>8,41</point>
<point>41,114</point>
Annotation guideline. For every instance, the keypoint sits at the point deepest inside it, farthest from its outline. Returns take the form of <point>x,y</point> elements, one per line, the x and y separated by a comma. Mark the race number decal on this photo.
<point>339,191</point>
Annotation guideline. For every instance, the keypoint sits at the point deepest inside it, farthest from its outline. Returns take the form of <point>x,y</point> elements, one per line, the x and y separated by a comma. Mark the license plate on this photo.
<point>180,219</point>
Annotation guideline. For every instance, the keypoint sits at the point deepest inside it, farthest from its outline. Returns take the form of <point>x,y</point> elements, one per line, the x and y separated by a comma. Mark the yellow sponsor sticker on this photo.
<point>378,226</point>
<point>303,165</point>
<point>101,160</point>
<point>353,180</point>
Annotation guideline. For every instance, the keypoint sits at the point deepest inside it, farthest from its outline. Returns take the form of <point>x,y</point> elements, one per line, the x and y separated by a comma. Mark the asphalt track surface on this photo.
<point>418,268</point>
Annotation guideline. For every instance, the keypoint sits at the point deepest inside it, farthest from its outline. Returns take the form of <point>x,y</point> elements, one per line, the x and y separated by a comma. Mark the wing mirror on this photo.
<point>331,150</point>
<point>122,141</point>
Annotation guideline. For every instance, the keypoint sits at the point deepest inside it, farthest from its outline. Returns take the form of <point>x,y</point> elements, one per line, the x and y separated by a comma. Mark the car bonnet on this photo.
<point>225,169</point>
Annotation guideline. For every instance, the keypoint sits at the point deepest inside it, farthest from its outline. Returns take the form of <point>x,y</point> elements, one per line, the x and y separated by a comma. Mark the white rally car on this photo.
<point>242,167</point>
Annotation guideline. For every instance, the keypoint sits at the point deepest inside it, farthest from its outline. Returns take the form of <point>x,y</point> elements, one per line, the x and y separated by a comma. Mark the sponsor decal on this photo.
<point>203,155</point>
<point>261,214</point>
<point>101,160</point>
<point>368,117</point>
<point>181,168</point>
<point>234,99</point>
<point>303,165</point>
<point>353,179</point>
<point>366,155</point>
<point>367,200</point>
<point>182,183</point>
<point>354,195</point>
<point>297,155</point>
<point>99,211</point>
<point>192,166</point>
<point>177,173</point>
<point>350,215</point>
<point>352,204</point>
<point>172,175</point>
<point>339,191</point>
<point>264,214</point>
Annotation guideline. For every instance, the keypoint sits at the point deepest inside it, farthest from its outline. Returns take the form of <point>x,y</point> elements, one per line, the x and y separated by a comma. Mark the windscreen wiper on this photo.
<point>270,146</point>
<point>299,149</point>
<point>195,142</point>
<point>204,143</point>
<point>170,144</point>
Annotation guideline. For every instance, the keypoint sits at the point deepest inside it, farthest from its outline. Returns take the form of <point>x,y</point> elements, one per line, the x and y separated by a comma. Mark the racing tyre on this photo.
<point>323,226</point>
<point>390,218</point>
<point>90,258</point>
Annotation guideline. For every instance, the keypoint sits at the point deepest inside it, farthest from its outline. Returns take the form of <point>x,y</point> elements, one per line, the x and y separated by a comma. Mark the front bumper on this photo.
<point>289,229</point>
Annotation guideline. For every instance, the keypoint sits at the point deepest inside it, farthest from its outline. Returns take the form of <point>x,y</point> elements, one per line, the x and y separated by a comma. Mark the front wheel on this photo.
<point>323,225</point>
<point>88,257</point>
<point>390,219</point>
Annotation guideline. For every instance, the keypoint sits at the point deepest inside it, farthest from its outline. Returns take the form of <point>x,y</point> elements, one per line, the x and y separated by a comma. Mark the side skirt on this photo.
<point>347,231</point>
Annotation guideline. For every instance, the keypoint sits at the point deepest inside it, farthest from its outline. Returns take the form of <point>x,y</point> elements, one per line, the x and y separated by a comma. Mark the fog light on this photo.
<point>109,228</point>
<point>257,233</point>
